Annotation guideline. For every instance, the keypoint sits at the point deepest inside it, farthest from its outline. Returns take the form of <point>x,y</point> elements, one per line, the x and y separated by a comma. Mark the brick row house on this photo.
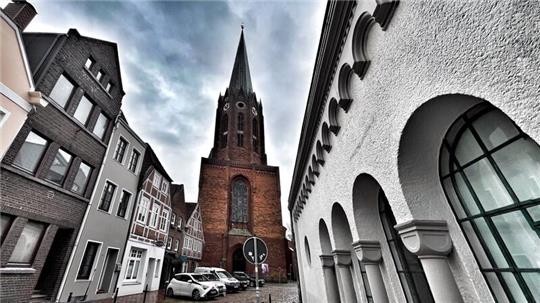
<point>145,249</point>
<point>50,170</point>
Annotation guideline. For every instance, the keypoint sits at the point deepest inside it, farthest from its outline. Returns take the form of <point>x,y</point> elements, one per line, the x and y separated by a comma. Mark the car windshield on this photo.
<point>241,274</point>
<point>227,274</point>
<point>211,277</point>
<point>199,277</point>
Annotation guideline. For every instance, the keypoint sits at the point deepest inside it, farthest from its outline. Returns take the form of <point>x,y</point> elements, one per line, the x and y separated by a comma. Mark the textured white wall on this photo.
<point>488,49</point>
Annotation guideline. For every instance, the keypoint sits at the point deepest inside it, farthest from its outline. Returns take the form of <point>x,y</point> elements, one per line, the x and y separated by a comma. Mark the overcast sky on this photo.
<point>177,56</point>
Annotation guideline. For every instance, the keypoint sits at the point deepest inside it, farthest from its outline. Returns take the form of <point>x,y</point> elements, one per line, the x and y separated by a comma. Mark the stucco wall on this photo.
<point>486,49</point>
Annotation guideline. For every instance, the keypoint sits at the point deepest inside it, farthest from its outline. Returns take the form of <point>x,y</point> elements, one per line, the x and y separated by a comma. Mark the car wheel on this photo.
<point>196,295</point>
<point>170,292</point>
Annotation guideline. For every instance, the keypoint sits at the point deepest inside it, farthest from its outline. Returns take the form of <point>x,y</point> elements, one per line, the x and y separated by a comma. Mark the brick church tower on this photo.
<point>239,194</point>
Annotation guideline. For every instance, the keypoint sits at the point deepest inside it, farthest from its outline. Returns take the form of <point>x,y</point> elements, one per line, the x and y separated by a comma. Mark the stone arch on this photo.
<point>345,74</point>
<point>315,165</point>
<point>325,135</point>
<point>319,152</point>
<point>359,43</point>
<point>418,155</point>
<point>365,207</point>
<point>307,183</point>
<point>328,266</point>
<point>333,112</point>
<point>341,229</point>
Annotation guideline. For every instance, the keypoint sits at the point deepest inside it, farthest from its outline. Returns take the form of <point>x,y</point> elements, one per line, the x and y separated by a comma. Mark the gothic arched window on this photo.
<point>240,201</point>
<point>410,271</point>
<point>240,130</point>
<point>490,171</point>
<point>224,129</point>
<point>255,135</point>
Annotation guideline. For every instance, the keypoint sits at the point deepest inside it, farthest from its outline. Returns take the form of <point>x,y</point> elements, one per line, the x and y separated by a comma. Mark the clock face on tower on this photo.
<point>254,111</point>
<point>226,107</point>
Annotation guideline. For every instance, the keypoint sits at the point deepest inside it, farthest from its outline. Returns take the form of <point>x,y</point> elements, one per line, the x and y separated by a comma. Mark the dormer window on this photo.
<point>100,75</point>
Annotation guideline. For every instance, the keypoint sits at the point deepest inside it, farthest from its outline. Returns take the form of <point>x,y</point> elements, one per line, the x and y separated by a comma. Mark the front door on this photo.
<point>239,262</point>
<point>150,273</point>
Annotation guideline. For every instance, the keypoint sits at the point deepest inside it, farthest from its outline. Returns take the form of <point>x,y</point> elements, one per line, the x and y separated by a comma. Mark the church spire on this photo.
<point>241,77</point>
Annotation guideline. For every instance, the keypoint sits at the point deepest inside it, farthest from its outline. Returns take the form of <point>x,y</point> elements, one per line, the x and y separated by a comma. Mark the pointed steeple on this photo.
<point>241,77</point>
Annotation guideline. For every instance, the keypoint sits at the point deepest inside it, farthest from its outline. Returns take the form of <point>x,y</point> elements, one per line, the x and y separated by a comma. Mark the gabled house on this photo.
<point>193,238</point>
<point>173,259</point>
<point>143,258</point>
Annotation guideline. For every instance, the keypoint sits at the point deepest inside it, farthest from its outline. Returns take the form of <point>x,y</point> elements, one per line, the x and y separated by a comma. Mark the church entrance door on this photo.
<point>239,262</point>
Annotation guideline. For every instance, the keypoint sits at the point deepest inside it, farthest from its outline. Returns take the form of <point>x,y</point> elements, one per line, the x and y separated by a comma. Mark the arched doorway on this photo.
<point>239,262</point>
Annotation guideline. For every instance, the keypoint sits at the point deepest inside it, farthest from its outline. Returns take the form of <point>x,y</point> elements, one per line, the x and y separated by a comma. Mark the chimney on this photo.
<point>21,12</point>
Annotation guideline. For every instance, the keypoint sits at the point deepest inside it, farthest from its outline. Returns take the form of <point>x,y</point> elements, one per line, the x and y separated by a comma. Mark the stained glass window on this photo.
<point>240,197</point>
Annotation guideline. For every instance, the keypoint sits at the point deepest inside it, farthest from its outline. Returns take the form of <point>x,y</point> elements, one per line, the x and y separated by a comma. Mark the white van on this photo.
<point>230,282</point>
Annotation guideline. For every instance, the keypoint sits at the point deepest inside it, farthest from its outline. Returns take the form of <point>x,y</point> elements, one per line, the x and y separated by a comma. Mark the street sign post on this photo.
<point>255,252</point>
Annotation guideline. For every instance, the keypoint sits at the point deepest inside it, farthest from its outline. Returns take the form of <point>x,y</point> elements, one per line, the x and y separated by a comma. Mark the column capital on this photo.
<point>426,238</point>
<point>327,260</point>
<point>368,251</point>
<point>342,257</point>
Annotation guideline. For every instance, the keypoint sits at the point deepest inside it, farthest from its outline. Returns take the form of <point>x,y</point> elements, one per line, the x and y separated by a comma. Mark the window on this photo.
<point>239,211</point>
<point>135,155</point>
<point>81,178</point>
<point>179,222</point>
<point>410,271</point>
<point>120,150</point>
<point>176,244</point>
<point>169,243</point>
<point>101,126</point>
<point>133,264</point>
<point>87,263</point>
<point>224,130</point>
<point>89,63</point>
<point>31,152</point>
<point>83,110</point>
<point>164,186</point>
<point>124,202</point>
<point>240,130</point>
<point>59,167</point>
<point>108,87</point>
<point>143,209</point>
<point>5,223</point>
<point>490,171</point>
<point>173,219</point>
<point>61,91</point>
<point>156,272</point>
<point>100,75</point>
<point>255,135</point>
<point>28,244</point>
<point>157,179</point>
<point>154,215</point>
<point>164,219</point>
<point>107,196</point>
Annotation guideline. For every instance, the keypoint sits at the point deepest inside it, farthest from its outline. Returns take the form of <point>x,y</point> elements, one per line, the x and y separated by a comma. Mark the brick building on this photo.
<point>50,170</point>
<point>143,258</point>
<point>239,194</point>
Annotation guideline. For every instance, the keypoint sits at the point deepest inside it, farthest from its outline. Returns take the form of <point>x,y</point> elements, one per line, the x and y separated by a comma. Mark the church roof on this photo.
<point>241,77</point>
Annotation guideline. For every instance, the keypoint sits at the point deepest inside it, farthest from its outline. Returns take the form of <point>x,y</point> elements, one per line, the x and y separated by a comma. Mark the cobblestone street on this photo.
<point>281,293</point>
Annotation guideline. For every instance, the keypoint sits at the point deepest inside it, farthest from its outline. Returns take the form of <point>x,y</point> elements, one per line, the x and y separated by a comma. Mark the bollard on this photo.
<point>69,297</point>
<point>269,298</point>
<point>145,291</point>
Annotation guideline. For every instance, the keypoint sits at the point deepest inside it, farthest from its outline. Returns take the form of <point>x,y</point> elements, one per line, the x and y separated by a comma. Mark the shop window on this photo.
<point>28,244</point>
<point>133,264</point>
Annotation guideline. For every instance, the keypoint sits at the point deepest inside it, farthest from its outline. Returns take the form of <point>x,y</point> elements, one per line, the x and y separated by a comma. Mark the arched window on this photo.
<point>240,201</point>
<point>240,130</point>
<point>255,135</point>
<point>490,171</point>
<point>411,274</point>
<point>224,130</point>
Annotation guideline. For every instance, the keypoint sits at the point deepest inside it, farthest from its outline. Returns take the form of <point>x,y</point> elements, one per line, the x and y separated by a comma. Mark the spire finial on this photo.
<point>242,26</point>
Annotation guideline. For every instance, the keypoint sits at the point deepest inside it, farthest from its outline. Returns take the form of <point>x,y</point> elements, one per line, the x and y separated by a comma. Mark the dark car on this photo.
<point>240,275</point>
<point>243,278</point>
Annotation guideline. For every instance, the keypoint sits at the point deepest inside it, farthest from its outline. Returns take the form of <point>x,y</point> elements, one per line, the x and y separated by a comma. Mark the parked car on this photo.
<point>243,278</point>
<point>195,286</point>
<point>252,280</point>
<point>231,283</point>
<point>215,279</point>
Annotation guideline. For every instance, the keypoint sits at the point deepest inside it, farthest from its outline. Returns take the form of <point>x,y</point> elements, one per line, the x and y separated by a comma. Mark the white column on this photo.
<point>342,259</point>
<point>330,281</point>
<point>369,253</point>
<point>430,241</point>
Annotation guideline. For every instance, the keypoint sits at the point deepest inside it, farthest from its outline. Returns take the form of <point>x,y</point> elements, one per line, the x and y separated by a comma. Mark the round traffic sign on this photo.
<point>255,250</point>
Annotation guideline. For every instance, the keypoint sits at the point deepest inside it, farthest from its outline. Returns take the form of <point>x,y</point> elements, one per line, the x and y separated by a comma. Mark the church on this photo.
<point>239,194</point>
